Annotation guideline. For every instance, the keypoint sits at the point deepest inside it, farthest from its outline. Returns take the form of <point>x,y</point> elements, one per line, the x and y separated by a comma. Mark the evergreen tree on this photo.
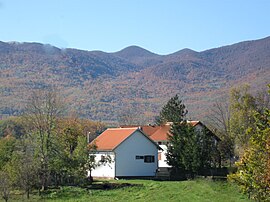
<point>183,150</point>
<point>189,150</point>
<point>174,111</point>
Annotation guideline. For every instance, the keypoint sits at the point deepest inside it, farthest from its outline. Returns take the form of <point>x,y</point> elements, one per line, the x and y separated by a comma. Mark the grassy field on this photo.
<point>145,190</point>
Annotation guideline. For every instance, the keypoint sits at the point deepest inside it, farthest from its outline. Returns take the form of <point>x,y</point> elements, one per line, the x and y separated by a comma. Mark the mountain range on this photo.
<point>133,84</point>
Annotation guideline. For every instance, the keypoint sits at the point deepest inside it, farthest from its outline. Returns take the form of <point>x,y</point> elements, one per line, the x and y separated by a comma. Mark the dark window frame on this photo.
<point>149,159</point>
<point>137,157</point>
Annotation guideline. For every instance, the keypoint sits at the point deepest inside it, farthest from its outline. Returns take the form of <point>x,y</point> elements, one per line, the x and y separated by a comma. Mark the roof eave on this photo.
<point>103,150</point>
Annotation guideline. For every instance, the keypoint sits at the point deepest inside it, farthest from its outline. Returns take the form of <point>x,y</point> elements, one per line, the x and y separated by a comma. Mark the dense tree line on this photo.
<point>43,147</point>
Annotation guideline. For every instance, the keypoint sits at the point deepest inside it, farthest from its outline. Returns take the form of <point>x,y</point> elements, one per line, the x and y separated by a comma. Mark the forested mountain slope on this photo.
<point>134,82</point>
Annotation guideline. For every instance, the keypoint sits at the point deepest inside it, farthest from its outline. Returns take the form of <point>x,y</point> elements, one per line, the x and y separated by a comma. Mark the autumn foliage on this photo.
<point>253,175</point>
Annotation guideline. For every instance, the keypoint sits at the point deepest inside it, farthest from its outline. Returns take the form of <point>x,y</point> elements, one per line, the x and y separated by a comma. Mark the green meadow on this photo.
<point>143,190</point>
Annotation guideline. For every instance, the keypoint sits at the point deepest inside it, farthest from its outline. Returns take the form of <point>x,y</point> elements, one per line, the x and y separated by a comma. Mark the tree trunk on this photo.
<point>28,194</point>
<point>6,198</point>
<point>90,177</point>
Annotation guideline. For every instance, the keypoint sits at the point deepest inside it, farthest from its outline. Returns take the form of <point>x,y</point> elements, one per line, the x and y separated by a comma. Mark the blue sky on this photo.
<point>161,26</point>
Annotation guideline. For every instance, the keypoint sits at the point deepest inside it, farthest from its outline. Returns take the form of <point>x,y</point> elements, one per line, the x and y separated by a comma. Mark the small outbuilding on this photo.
<point>132,154</point>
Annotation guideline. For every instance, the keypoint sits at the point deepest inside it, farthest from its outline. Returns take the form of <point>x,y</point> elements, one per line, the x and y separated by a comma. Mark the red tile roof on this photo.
<point>157,133</point>
<point>160,133</point>
<point>150,130</point>
<point>112,137</point>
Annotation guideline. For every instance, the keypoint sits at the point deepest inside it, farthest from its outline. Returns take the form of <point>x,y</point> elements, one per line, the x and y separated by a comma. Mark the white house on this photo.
<point>132,152</point>
<point>159,134</point>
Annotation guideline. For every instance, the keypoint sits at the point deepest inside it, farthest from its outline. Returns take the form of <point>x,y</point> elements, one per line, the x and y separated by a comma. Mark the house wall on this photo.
<point>162,162</point>
<point>135,145</point>
<point>106,170</point>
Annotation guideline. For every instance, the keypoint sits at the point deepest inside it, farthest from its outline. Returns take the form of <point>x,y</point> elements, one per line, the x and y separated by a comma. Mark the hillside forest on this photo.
<point>109,86</point>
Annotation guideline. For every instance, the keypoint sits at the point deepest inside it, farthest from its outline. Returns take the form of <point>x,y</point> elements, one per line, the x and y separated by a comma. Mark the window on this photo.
<point>149,159</point>
<point>139,157</point>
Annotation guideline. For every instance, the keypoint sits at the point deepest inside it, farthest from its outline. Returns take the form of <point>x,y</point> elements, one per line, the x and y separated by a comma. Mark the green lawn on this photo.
<point>148,190</point>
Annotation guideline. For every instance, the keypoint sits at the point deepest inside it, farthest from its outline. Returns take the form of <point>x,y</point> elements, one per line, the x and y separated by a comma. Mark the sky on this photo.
<point>160,26</point>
